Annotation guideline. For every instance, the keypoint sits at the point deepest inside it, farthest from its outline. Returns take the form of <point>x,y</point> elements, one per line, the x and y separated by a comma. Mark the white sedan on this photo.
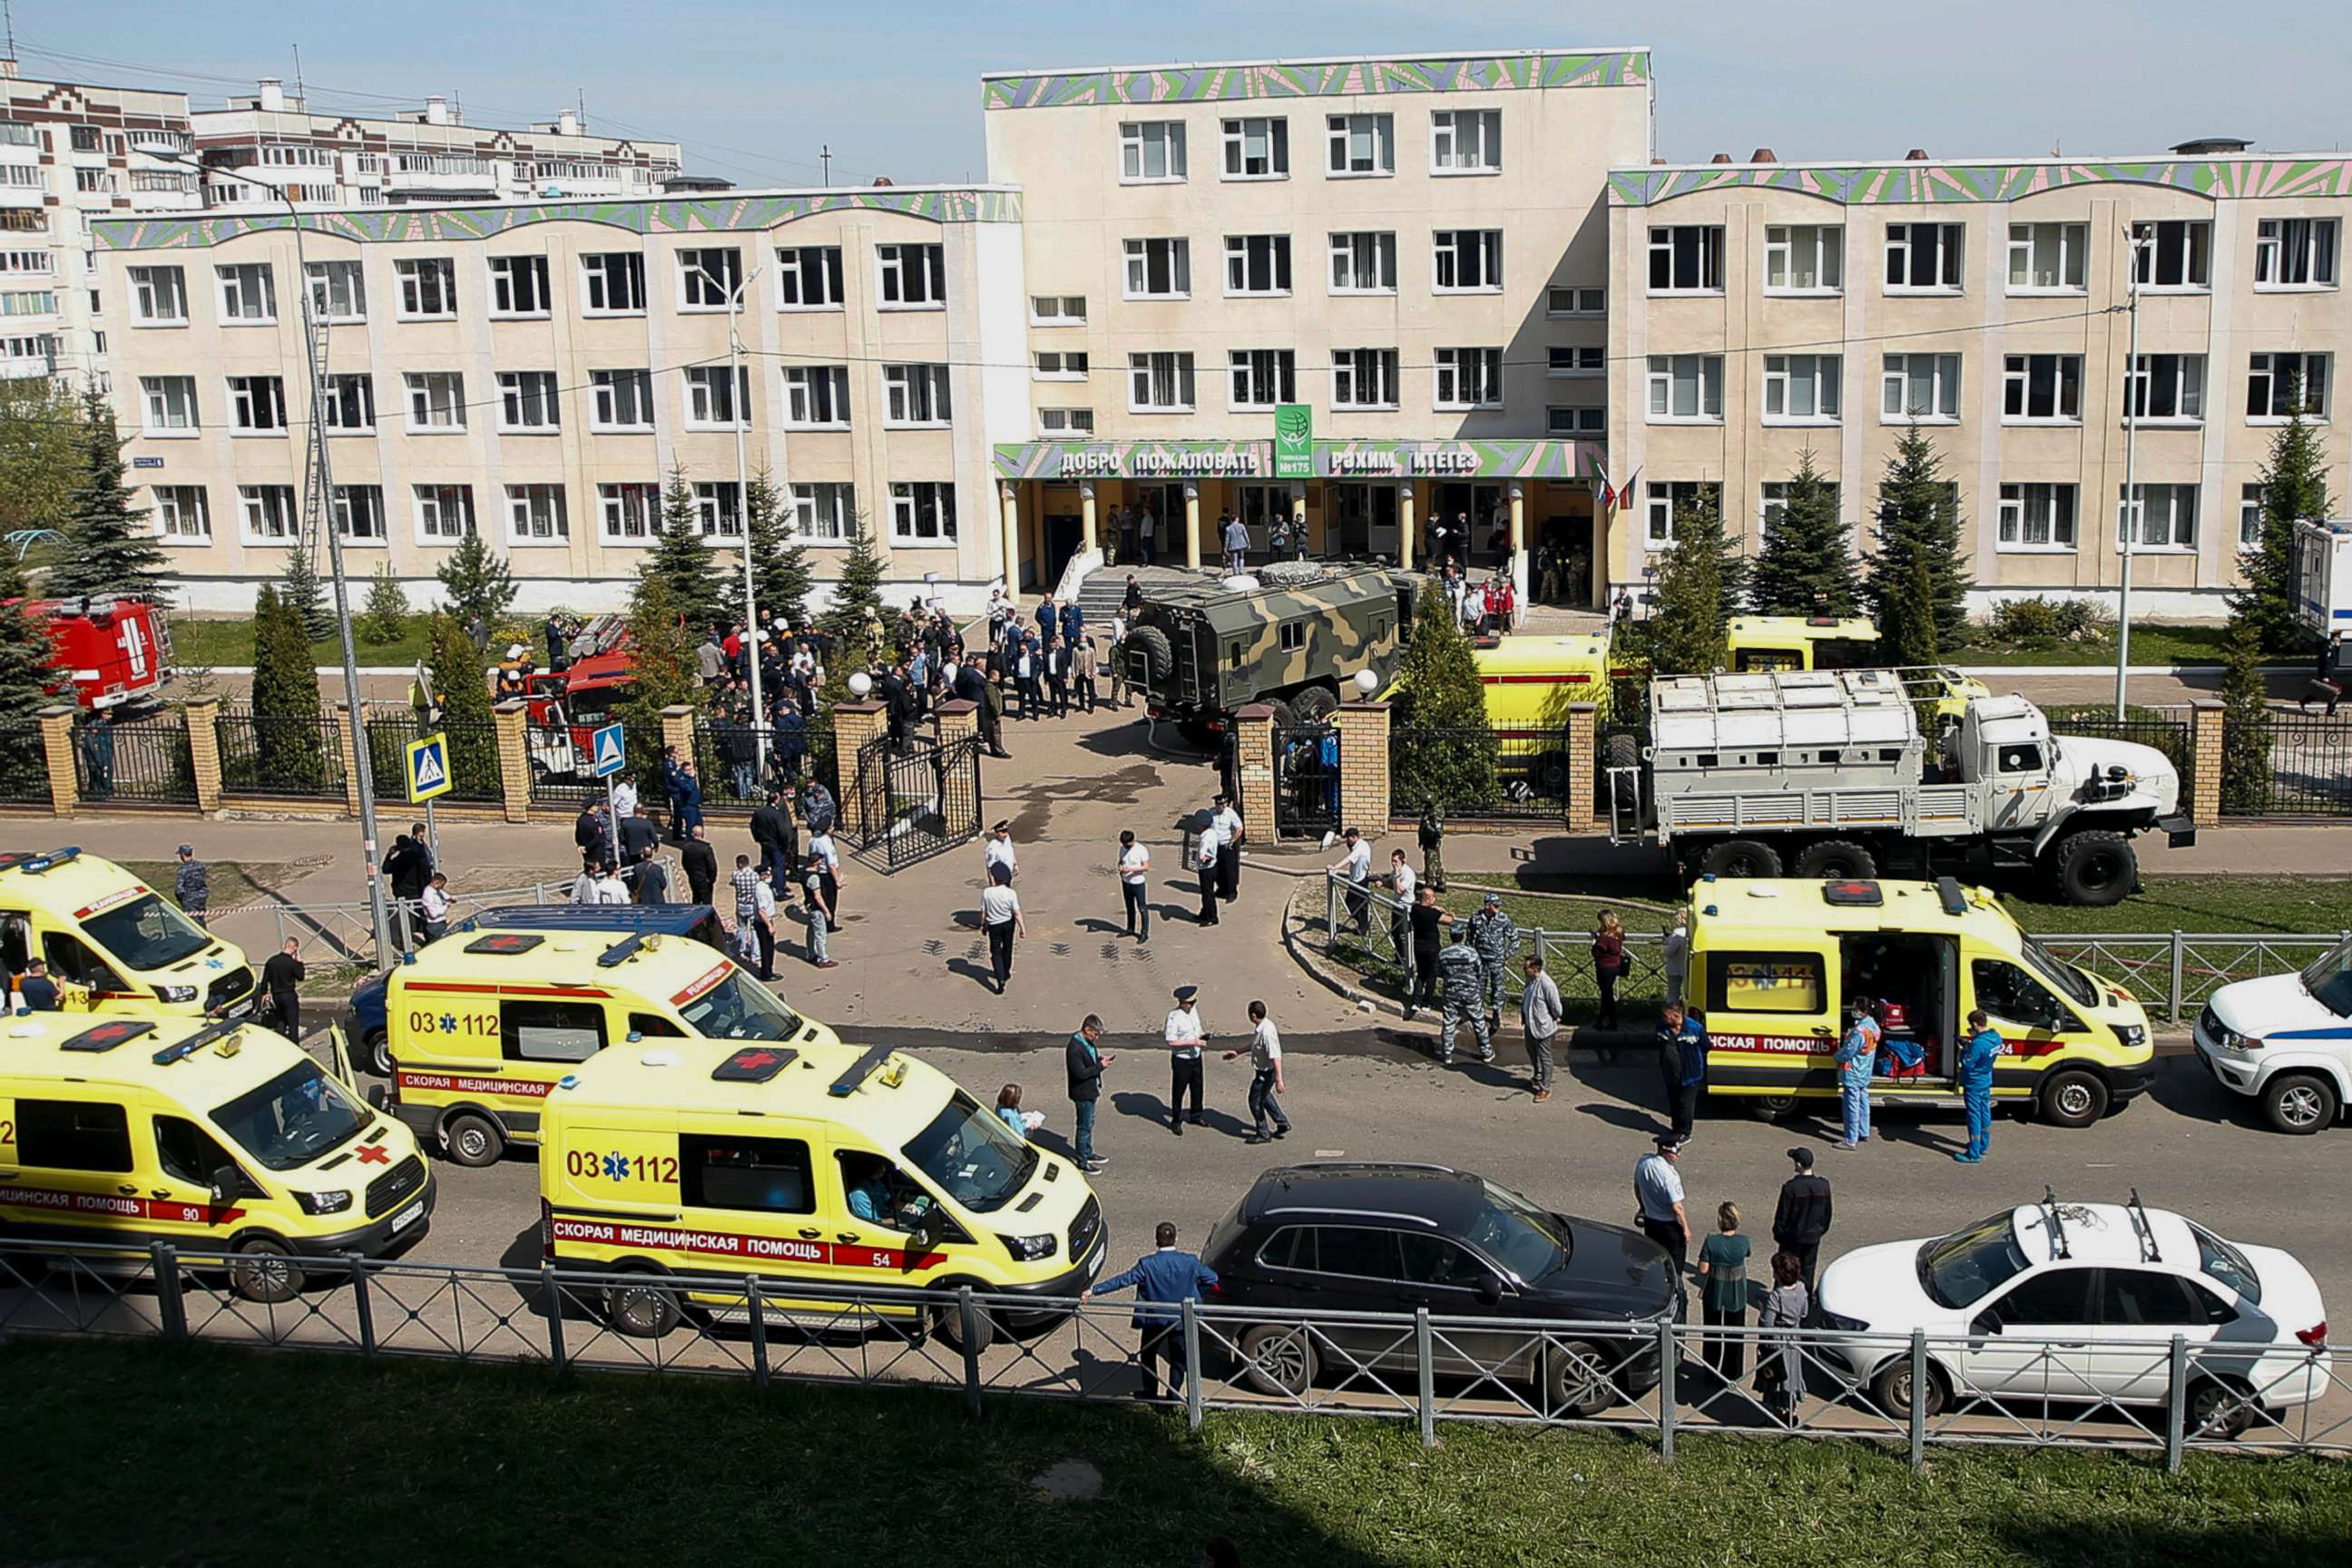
<point>2287,1039</point>
<point>2079,1303</point>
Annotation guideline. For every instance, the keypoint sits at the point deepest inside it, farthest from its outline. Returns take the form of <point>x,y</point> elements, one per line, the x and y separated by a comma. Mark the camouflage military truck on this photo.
<point>1200,649</point>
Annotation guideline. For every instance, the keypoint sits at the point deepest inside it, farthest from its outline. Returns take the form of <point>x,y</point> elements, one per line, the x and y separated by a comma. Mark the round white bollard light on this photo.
<point>1367,683</point>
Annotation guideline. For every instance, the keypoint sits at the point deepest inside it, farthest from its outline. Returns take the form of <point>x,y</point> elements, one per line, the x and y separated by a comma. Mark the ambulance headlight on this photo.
<point>175,992</point>
<point>1030,1248</point>
<point>325,1203</point>
<point>2131,1036</point>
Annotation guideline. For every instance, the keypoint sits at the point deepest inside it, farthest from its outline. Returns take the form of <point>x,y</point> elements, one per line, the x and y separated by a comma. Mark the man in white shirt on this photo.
<point>1182,1033</point>
<point>1134,872</point>
<point>1265,1077</point>
<point>999,852</point>
<point>436,902</point>
<point>1000,916</point>
<point>1358,868</point>
<point>1205,851</point>
<point>610,889</point>
<point>1401,879</point>
<point>763,921</point>
<point>625,799</point>
<point>1229,846</point>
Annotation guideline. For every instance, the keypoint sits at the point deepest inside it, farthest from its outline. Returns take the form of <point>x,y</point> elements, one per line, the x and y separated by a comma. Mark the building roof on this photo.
<point>1948,181</point>
<point>1326,75</point>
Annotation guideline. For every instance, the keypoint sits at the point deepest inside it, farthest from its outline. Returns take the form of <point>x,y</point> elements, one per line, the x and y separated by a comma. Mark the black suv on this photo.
<point>1363,1237</point>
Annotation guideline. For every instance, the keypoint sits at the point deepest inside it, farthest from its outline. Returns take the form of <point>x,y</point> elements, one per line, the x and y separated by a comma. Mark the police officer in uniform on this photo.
<point>1465,998</point>
<point>1182,1033</point>
<point>1229,847</point>
<point>1496,937</point>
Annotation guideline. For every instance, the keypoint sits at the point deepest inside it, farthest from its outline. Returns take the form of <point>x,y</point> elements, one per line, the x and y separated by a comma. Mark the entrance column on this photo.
<point>1192,527</point>
<point>1298,516</point>
<point>1087,517</point>
<point>1518,545</point>
<point>1404,525</point>
<point>1604,541</point>
<point>1010,496</point>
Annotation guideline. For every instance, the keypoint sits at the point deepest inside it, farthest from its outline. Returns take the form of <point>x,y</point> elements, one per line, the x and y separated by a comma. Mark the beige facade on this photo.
<point>2031,313</point>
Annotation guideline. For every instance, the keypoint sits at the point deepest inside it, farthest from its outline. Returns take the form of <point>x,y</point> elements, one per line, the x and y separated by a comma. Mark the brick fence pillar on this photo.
<point>856,726</point>
<point>203,715</point>
<point>1582,725</point>
<point>1363,766</point>
<point>1254,767</point>
<point>2206,724</point>
<point>678,729</point>
<point>353,760</point>
<point>514,721</point>
<point>58,750</point>
<point>957,719</point>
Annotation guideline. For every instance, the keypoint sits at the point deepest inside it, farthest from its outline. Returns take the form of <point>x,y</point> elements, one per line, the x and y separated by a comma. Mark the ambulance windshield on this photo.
<point>974,1157</point>
<point>294,1118</point>
<point>740,1008</point>
<point>146,933</point>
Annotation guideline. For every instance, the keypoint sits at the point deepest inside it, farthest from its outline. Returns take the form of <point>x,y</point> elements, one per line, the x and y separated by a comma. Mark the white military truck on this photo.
<point>1828,774</point>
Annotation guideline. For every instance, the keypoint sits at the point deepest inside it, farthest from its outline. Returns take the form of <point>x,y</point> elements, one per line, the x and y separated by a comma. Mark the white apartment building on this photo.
<point>428,154</point>
<point>1762,309</point>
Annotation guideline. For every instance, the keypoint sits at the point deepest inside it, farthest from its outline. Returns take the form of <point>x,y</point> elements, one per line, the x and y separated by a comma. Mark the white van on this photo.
<point>2285,1039</point>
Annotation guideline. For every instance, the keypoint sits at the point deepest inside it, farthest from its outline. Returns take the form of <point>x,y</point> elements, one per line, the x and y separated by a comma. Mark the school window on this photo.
<point>614,282</point>
<point>915,394</point>
<point>1159,269</point>
<point>2249,516</point>
<point>2037,517</point>
<point>1065,421</point>
<point>358,512</point>
<point>2295,253</point>
<point>171,403</point>
<point>519,286</point>
<point>256,403</point>
<point>1465,140</point>
<point>268,511</point>
<point>1057,310</point>
<point>1802,389</point>
<point>1264,377</point>
<point>913,277</point>
<point>248,293</point>
<point>1926,387</point>
<point>1804,258</point>
<point>445,513</point>
<point>2042,389</point>
<point>428,288</point>
<point>2277,385</point>
<point>338,291</point>
<point>160,295</point>
<point>2047,258</point>
<point>71,1135</point>
<point>1364,262</point>
<point>1150,150</point>
<point>1159,383</point>
<point>1576,422</point>
<point>1765,983</point>
<point>707,277</point>
<point>823,510</point>
<point>622,399</point>
<point>1923,258</point>
<point>1257,264</point>
<point>1773,505</point>
<point>1686,258</point>
<point>549,1031</point>
<point>922,513</point>
<point>535,514</point>
<point>1361,144</point>
<point>754,1175</point>
<point>628,513</point>
<point>719,508</point>
<point>1685,389</point>
<point>527,402</point>
<point>2168,387</point>
<point>183,511</point>
<point>1663,500</point>
<point>1567,361</point>
<point>1468,378</point>
<point>1468,262</point>
<point>1364,378</point>
<point>1257,147</point>
<point>816,397</point>
<point>2173,254</point>
<point>716,399</point>
<point>808,278</point>
<point>1569,301</point>
<point>2157,517</point>
<point>1060,364</point>
<point>347,401</point>
<point>436,400</point>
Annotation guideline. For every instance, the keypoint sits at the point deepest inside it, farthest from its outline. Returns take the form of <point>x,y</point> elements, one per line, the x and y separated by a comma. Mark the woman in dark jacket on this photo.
<point>1608,965</point>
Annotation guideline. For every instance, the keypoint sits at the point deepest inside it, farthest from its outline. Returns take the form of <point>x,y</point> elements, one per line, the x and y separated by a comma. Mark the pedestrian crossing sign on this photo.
<point>606,752</point>
<point>428,768</point>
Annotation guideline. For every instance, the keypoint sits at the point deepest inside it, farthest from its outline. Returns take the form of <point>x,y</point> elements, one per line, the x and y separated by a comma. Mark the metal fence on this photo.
<point>1306,779</point>
<point>2309,771</point>
<point>276,754</point>
<point>918,799</point>
<point>473,757</point>
<point>1659,1381</point>
<point>1478,773</point>
<point>135,762</point>
<point>727,760</point>
<point>2172,974</point>
<point>559,769</point>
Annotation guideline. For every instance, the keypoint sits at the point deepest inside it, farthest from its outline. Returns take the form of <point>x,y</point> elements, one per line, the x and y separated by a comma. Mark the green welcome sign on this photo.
<point>1294,441</point>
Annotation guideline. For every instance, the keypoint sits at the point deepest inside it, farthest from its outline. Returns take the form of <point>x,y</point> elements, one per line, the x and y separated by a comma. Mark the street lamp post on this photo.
<point>735,392</point>
<point>2133,388</point>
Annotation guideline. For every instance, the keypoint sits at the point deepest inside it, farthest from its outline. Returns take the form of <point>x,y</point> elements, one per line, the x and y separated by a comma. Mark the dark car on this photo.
<point>1360,1237</point>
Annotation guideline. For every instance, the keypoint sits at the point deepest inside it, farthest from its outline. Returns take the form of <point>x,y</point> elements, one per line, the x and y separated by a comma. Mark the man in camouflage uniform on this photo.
<point>1465,988</point>
<point>1496,938</point>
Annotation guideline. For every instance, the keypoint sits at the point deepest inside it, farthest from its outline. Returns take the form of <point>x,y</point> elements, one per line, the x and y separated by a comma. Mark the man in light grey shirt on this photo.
<point>1539,1017</point>
<point>1658,1198</point>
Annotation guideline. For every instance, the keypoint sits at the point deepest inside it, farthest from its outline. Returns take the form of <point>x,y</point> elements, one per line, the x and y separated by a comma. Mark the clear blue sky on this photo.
<point>753,89</point>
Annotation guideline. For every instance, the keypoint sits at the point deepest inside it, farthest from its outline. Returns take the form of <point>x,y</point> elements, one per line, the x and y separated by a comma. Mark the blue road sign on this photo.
<point>607,752</point>
<point>428,768</point>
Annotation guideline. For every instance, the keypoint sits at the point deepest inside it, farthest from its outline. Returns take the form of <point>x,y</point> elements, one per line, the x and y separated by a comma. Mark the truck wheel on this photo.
<point>1834,859</point>
<point>472,1139</point>
<point>1285,716</point>
<point>1314,705</point>
<point>1159,659</point>
<point>2299,1103</point>
<point>2094,868</point>
<point>2074,1099</point>
<point>1625,751</point>
<point>1741,858</point>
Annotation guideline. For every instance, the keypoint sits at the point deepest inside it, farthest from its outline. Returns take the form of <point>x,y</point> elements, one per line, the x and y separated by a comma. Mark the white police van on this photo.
<point>2285,1039</point>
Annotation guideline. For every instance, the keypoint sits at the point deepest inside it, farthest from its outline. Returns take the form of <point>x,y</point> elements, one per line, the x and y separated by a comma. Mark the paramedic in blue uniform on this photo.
<point>1984,1047</point>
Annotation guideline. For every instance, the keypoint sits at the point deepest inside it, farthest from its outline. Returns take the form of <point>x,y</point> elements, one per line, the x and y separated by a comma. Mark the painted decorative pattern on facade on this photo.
<point>1919,184</point>
<point>1312,79</point>
<point>1068,462</point>
<point>677,215</point>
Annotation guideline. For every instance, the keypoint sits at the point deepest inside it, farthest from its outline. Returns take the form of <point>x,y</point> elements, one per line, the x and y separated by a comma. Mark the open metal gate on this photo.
<point>1307,779</point>
<point>918,799</point>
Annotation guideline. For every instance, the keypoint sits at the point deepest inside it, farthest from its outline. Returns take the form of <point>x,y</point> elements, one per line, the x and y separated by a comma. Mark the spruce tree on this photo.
<point>2294,486</point>
<point>302,591</point>
<point>856,602</point>
<point>685,562</point>
<point>1694,595</point>
<point>465,711</point>
<point>476,581</point>
<point>288,740</point>
<point>382,619</point>
<point>1804,567</point>
<point>1918,570</point>
<point>107,548</point>
<point>662,670</point>
<point>2246,776</point>
<point>28,661</point>
<point>1441,748</point>
<point>780,563</point>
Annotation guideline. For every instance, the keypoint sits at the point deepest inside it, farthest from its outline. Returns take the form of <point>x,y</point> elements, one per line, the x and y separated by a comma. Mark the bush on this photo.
<point>2038,622</point>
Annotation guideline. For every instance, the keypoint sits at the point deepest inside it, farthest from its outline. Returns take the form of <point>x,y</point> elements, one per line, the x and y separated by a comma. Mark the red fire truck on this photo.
<point>113,650</point>
<point>568,706</point>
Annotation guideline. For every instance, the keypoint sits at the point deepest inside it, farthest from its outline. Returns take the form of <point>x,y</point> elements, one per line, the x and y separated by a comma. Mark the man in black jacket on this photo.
<point>592,833</point>
<point>281,977</point>
<point>1802,1217</point>
<point>773,835</point>
<point>1085,1062</point>
<point>701,864</point>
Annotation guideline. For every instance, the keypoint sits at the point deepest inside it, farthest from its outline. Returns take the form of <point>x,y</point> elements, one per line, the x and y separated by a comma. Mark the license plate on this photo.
<point>240,1009</point>
<point>408,1216</point>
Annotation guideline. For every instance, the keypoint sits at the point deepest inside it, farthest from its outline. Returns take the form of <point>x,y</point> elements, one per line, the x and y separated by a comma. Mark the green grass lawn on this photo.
<point>328,1457</point>
<point>207,643</point>
<point>231,883</point>
<point>2209,904</point>
<point>2149,645</point>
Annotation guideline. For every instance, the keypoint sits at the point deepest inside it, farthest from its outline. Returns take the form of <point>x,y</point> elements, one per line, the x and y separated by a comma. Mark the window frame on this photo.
<point>412,273</point>
<point>1244,253</point>
<point>2142,383</point>
<point>145,295</point>
<point>1584,421</point>
<point>1901,381</point>
<point>337,396</point>
<point>908,512</point>
<point>1951,258</point>
<point>1060,315</point>
<point>1485,254</point>
<point>519,390</point>
<point>1450,362</point>
<point>1706,261</point>
<point>245,400</point>
<point>613,499</point>
<point>803,396</point>
<point>420,387</point>
<point>605,395</point>
<point>917,395</point>
<point>1349,367</point>
<point>171,506</point>
<point>1136,136</point>
<point>807,508</point>
<point>2272,252</point>
<point>2125,510</point>
<point>1445,129</point>
<point>1576,309</point>
<point>2016,510</point>
<point>442,495</point>
<point>697,282</point>
<point>1062,368</point>
<point>1567,361</point>
<point>341,508</point>
<point>1827,382</point>
<point>1243,374</point>
<point>320,279</point>
<point>2073,239</point>
<point>894,269</point>
<point>1136,252</point>
<point>517,1012</point>
<point>1182,376</point>
<point>1661,377</point>
<point>154,398</point>
<point>1668,492</point>
<point>230,280</point>
<point>713,512</point>
<point>706,379</point>
<point>2262,366</point>
<point>2196,243</point>
<point>2019,382</point>
<point>1828,246</point>
<point>793,269</point>
<point>252,500</point>
<point>1234,139</point>
<point>596,275</point>
<point>522,501</point>
<point>1344,245</point>
<point>514,276</point>
<point>1338,136</point>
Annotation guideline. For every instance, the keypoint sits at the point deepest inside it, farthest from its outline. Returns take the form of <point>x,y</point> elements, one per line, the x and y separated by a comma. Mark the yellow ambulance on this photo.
<point>112,943</point>
<point>1775,964</point>
<point>217,1137</point>
<point>823,1170</point>
<point>479,1026</point>
<point>1802,642</point>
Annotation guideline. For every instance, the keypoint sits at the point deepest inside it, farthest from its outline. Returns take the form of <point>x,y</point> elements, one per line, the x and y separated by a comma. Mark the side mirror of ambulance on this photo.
<point>375,1097</point>
<point>228,1185</point>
